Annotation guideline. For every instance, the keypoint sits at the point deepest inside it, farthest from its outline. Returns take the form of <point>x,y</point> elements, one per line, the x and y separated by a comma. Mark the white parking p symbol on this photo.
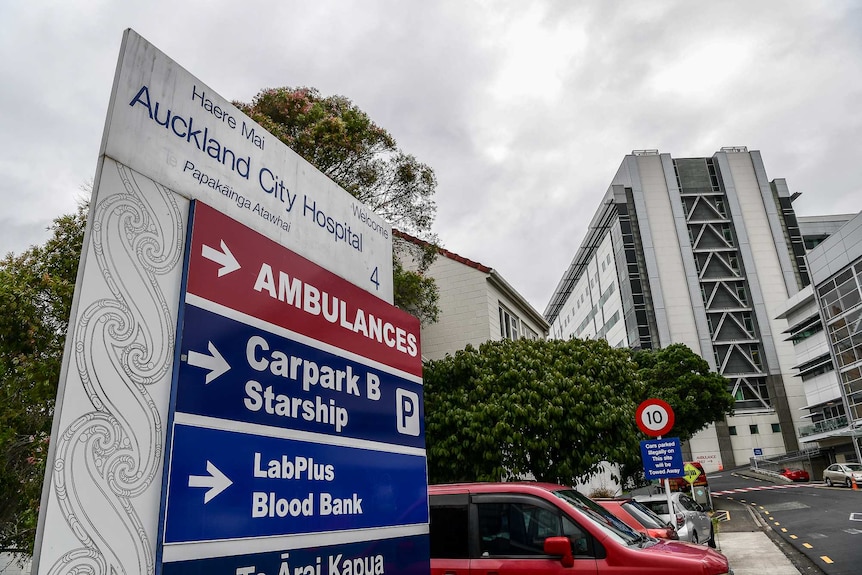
<point>407,405</point>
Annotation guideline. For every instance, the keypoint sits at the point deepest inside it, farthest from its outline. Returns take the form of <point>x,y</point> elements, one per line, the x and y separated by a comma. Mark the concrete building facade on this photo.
<point>706,252</point>
<point>826,426</point>
<point>476,305</point>
<point>836,273</point>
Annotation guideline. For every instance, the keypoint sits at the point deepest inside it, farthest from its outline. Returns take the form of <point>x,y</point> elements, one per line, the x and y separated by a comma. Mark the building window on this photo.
<point>753,429</point>
<point>748,322</point>
<point>509,324</point>
<point>731,430</point>
<point>734,262</point>
<point>776,428</point>
<point>755,356</point>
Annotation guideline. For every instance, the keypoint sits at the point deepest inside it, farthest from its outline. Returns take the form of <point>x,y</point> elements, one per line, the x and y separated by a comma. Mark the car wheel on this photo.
<point>694,538</point>
<point>828,482</point>
<point>847,482</point>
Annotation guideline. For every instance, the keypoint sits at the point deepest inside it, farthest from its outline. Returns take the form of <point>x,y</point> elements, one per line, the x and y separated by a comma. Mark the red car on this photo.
<point>538,528</point>
<point>794,474</point>
<point>639,517</point>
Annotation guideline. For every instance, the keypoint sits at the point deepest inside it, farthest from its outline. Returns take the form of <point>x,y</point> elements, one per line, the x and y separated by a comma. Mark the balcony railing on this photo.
<point>823,426</point>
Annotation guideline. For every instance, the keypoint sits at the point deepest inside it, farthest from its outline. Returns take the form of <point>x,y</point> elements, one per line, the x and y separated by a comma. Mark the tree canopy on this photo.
<point>344,143</point>
<point>555,409</point>
<point>36,290</point>
<point>683,379</point>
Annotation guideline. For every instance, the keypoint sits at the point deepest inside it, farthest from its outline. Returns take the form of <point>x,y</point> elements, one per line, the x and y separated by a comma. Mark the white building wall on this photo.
<point>769,274</point>
<point>821,389</point>
<point>824,387</point>
<point>674,289</point>
<point>463,310</point>
<point>600,274</point>
<point>493,299</point>
<point>744,443</point>
<point>704,449</point>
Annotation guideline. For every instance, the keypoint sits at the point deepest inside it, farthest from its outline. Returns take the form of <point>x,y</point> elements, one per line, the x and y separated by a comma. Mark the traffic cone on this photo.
<point>853,482</point>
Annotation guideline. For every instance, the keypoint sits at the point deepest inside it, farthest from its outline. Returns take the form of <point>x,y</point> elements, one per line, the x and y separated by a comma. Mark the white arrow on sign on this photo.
<point>224,258</point>
<point>214,362</point>
<point>216,481</point>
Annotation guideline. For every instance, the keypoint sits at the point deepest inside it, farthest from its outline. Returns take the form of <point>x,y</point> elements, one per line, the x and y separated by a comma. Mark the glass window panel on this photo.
<point>846,358</point>
<point>850,300</point>
<point>843,276</point>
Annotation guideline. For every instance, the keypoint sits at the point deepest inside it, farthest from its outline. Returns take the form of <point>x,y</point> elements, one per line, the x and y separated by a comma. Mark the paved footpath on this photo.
<point>746,542</point>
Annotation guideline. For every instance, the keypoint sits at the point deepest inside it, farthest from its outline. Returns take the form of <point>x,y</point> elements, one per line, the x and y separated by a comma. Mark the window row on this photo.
<point>841,293</point>
<point>754,429</point>
<point>511,327</point>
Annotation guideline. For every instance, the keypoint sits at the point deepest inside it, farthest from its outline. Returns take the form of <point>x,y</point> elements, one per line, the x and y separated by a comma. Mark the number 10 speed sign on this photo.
<point>654,417</point>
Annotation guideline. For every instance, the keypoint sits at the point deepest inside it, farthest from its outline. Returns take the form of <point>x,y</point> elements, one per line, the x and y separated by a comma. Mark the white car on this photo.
<point>843,474</point>
<point>691,521</point>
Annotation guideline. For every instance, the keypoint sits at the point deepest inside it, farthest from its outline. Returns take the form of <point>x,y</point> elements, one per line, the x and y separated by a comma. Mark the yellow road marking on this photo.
<point>807,545</point>
<point>784,529</point>
<point>826,559</point>
<point>794,537</point>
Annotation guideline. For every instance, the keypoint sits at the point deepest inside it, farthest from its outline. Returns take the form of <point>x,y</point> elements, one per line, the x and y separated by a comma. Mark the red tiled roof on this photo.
<point>443,252</point>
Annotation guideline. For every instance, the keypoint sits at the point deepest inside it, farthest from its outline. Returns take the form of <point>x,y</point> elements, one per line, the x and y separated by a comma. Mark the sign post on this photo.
<point>691,475</point>
<point>281,436</point>
<point>238,394</point>
<point>662,458</point>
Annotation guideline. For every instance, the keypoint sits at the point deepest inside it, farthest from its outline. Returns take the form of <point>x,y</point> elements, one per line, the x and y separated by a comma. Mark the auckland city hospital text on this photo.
<point>271,183</point>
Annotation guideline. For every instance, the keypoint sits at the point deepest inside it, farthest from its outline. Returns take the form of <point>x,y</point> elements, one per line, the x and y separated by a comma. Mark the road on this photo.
<point>819,527</point>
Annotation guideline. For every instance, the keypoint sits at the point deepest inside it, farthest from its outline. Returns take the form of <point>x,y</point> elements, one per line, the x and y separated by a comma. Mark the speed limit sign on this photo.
<point>654,417</point>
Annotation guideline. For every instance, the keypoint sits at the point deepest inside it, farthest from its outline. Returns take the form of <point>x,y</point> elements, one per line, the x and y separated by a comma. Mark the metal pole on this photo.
<point>856,444</point>
<point>670,512</point>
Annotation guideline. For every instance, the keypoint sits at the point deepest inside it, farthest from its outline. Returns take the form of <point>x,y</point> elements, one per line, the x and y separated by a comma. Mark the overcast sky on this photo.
<point>523,109</point>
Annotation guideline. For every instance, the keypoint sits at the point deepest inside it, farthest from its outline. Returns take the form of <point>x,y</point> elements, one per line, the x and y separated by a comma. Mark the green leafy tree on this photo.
<point>415,292</point>
<point>36,290</point>
<point>344,143</point>
<point>683,379</point>
<point>554,409</point>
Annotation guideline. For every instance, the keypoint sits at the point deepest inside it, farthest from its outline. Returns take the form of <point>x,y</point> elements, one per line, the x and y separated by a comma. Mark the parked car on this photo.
<point>843,474</point>
<point>639,517</point>
<point>691,521</point>
<point>794,474</point>
<point>544,528</point>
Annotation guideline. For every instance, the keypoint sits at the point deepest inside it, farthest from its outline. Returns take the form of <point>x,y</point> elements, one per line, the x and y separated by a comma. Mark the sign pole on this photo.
<point>670,513</point>
<point>655,418</point>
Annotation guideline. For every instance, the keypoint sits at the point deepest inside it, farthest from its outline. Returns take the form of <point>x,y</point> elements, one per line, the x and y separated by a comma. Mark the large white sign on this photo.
<point>173,128</point>
<point>169,139</point>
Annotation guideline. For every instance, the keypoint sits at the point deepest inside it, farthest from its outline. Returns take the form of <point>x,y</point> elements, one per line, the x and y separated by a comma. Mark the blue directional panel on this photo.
<point>225,485</point>
<point>296,438</point>
<point>241,373</point>
<point>662,458</point>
